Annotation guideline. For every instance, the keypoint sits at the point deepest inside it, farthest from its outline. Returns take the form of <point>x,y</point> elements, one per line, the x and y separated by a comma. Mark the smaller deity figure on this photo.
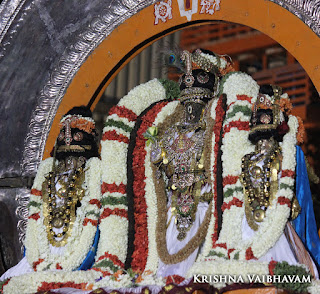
<point>261,171</point>
<point>64,207</point>
<point>261,168</point>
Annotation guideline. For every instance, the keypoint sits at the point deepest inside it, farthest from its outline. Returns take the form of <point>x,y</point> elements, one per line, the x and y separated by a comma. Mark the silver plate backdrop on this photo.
<point>42,45</point>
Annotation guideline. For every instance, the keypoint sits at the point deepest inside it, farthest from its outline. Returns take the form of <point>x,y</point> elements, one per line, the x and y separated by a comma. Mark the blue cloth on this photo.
<point>89,260</point>
<point>305,223</point>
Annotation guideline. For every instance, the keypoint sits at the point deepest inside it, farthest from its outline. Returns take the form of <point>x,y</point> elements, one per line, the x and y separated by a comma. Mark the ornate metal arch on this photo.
<point>65,69</point>
<point>117,12</point>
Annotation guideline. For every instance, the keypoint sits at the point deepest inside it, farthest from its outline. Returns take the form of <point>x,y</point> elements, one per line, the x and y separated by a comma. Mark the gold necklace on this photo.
<point>260,184</point>
<point>61,214</point>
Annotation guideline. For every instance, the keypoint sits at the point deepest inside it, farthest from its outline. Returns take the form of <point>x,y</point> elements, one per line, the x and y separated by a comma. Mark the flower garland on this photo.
<point>112,252</point>
<point>315,287</point>
<point>45,281</point>
<point>241,91</point>
<point>86,124</point>
<point>149,191</point>
<point>217,114</point>
<point>80,241</point>
<point>144,219</point>
<point>236,129</point>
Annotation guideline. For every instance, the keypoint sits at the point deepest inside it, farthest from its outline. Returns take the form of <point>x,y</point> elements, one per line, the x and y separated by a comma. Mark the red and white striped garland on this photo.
<point>112,249</point>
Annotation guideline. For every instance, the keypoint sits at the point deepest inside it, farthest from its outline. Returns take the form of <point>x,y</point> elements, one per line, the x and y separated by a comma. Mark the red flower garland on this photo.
<point>230,180</point>
<point>174,279</point>
<point>240,125</point>
<point>221,245</point>
<point>283,200</point>
<point>140,254</point>
<point>249,254</point>
<point>34,216</point>
<point>122,111</point>
<point>235,201</point>
<point>244,98</point>
<point>230,251</point>
<point>241,98</point>
<point>104,273</point>
<point>272,266</point>
<point>113,258</point>
<point>36,192</point>
<point>88,220</point>
<point>50,286</point>
<point>114,136</point>
<point>288,173</point>
<point>220,112</point>
<point>58,266</point>
<point>95,202</point>
<point>36,263</point>
<point>5,283</point>
<point>111,188</point>
<point>117,211</point>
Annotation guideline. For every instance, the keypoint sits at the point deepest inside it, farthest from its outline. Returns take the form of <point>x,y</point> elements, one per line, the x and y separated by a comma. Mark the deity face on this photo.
<point>265,145</point>
<point>193,111</point>
<point>75,143</point>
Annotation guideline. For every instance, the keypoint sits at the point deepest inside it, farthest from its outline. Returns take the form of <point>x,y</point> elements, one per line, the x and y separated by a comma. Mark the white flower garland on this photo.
<point>216,60</point>
<point>114,167</point>
<point>235,146</point>
<point>142,96</point>
<point>315,287</point>
<point>81,238</point>
<point>239,83</point>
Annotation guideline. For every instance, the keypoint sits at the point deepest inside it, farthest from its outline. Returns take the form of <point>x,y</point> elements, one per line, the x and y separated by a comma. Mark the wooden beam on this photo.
<point>241,45</point>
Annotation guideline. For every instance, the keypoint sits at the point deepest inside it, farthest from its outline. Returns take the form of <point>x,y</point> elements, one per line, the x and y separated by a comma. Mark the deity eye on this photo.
<point>78,136</point>
<point>262,98</point>
<point>189,108</point>
<point>188,80</point>
<point>61,135</point>
<point>202,77</point>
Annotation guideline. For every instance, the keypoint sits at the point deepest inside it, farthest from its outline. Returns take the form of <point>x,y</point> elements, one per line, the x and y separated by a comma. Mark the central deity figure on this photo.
<point>178,155</point>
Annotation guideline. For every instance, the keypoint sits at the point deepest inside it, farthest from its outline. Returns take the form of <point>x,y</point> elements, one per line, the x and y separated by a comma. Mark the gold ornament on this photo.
<point>258,215</point>
<point>62,214</point>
